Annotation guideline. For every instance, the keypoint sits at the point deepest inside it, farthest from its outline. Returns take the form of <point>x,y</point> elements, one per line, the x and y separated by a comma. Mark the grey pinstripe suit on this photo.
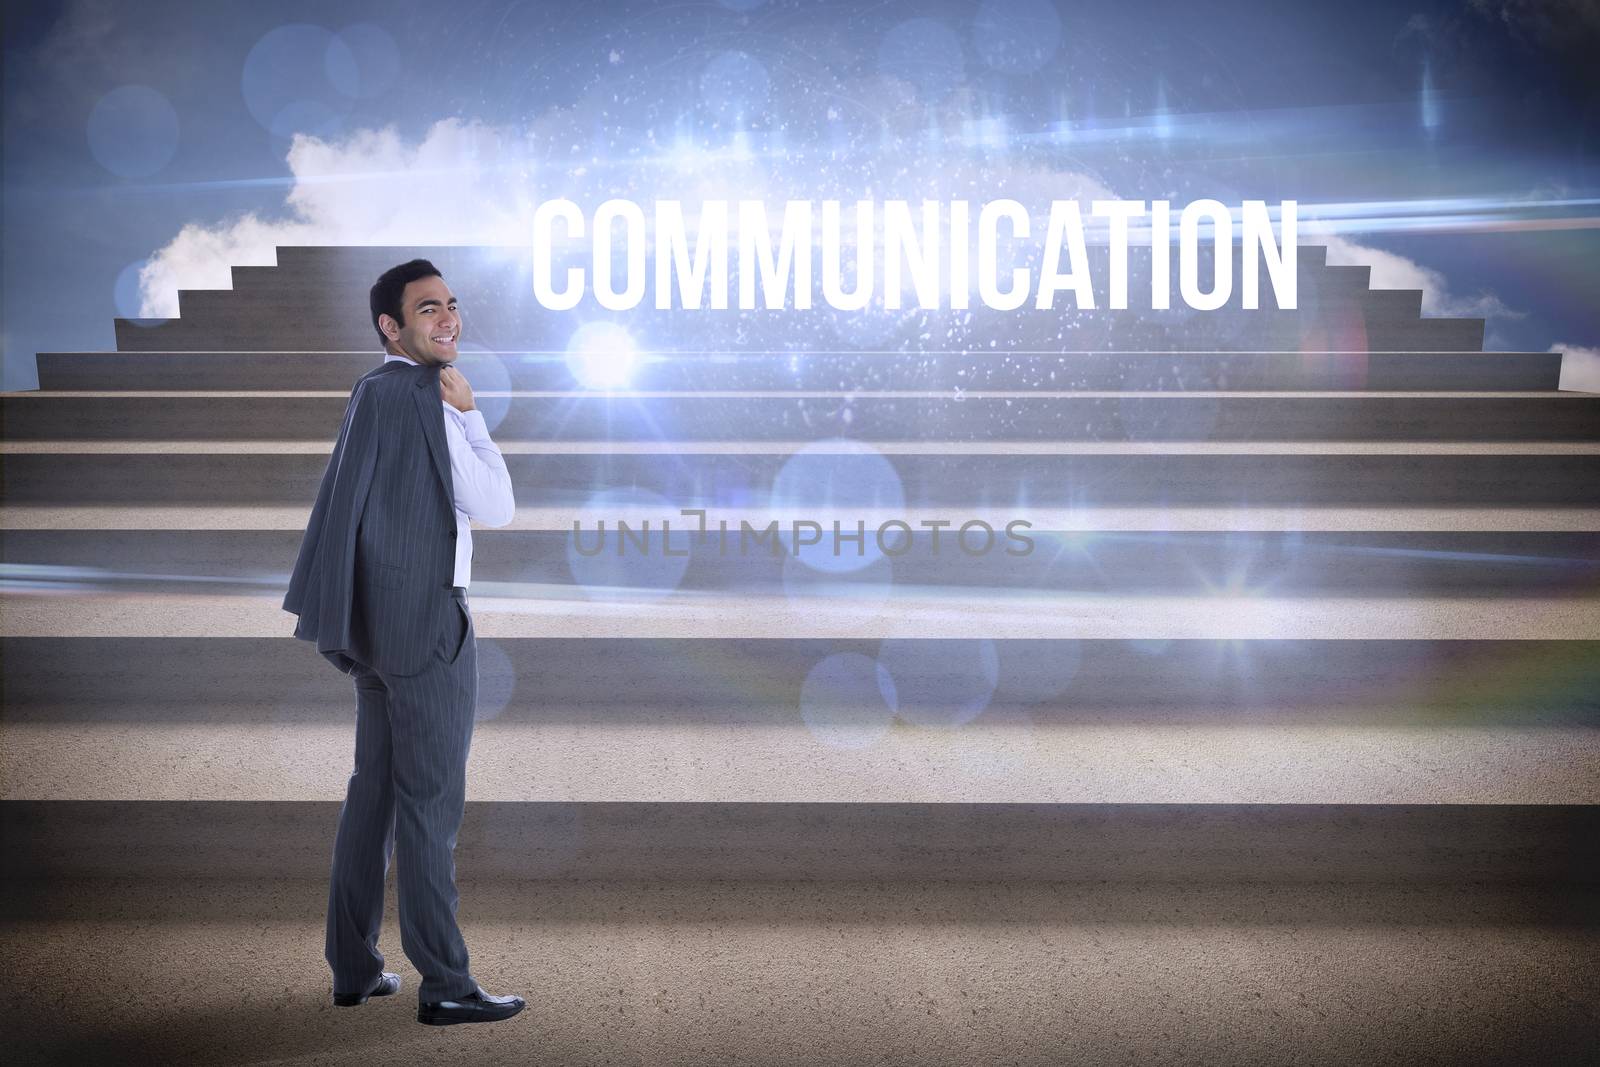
<point>372,586</point>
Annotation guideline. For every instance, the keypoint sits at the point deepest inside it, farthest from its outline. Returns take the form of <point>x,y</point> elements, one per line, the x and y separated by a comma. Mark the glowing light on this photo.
<point>1017,36</point>
<point>601,355</point>
<point>1163,116</point>
<point>1429,99</point>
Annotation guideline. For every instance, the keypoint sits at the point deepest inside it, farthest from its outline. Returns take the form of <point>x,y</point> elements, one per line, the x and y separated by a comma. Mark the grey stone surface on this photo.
<point>805,973</point>
<point>1170,418</point>
<point>1182,844</point>
<point>1174,477</point>
<point>826,370</point>
<point>754,684</point>
<point>1285,563</point>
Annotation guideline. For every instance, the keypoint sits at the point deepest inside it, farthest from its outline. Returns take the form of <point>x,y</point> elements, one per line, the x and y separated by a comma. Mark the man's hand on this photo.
<point>454,389</point>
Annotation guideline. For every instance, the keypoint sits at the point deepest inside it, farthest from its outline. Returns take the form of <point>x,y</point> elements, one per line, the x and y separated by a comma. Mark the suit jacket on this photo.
<point>372,581</point>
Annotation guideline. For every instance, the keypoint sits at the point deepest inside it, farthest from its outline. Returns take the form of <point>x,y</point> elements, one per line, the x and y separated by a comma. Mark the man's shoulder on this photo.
<point>390,375</point>
<point>389,368</point>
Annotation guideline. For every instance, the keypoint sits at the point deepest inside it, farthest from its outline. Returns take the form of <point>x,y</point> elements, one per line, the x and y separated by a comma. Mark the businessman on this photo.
<point>380,585</point>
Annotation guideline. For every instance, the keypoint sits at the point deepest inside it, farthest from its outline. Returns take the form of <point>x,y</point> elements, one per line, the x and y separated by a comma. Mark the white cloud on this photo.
<point>1580,368</point>
<point>464,183</point>
<point>468,183</point>
<point>200,258</point>
<point>1391,271</point>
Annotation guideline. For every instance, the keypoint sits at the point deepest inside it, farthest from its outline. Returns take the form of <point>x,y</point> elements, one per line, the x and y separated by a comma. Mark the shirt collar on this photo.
<point>390,357</point>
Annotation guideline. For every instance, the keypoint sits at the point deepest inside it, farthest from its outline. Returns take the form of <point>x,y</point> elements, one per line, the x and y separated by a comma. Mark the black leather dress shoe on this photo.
<point>387,985</point>
<point>476,1007</point>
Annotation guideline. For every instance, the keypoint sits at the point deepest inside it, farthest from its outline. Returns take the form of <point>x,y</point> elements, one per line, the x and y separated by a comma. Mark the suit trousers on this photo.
<point>406,797</point>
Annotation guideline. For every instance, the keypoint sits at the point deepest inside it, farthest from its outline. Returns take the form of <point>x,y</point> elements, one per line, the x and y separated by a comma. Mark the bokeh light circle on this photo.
<point>286,80</point>
<point>133,131</point>
<point>362,61</point>
<point>126,293</point>
<point>941,682</point>
<point>925,53</point>
<point>497,681</point>
<point>1017,36</point>
<point>838,479</point>
<point>847,701</point>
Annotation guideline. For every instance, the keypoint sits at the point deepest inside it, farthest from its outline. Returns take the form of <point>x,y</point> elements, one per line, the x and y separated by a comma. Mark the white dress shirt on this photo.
<point>478,476</point>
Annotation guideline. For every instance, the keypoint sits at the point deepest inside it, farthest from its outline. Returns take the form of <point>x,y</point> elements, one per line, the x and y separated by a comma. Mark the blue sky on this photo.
<point>1475,125</point>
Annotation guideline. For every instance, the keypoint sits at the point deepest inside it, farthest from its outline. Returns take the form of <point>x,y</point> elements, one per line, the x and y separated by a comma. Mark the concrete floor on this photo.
<point>836,973</point>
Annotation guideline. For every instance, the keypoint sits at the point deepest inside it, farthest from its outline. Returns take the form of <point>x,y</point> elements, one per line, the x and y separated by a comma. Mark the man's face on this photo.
<point>431,324</point>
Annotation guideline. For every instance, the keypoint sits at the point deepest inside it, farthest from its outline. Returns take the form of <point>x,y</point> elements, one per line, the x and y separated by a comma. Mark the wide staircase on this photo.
<point>1282,744</point>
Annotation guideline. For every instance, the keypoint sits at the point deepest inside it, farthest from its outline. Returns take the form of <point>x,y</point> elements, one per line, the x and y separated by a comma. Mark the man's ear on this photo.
<point>390,328</point>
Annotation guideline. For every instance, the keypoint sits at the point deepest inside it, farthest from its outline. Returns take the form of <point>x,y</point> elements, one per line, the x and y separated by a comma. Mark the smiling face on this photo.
<point>431,326</point>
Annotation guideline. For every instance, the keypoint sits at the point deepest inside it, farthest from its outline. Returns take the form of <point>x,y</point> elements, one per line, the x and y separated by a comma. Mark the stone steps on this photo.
<point>1222,519</point>
<point>316,288</point>
<point>512,417</point>
<point>862,613</point>
<point>925,475</point>
<point>1345,326</point>
<point>785,371</point>
<point>1312,600</point>
<point>1290,722</point>
<point>1416,682</point>
<point>1183,562</point>
<point>1005,758</point>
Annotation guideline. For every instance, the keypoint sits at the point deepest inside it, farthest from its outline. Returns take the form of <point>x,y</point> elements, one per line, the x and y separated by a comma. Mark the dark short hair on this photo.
<point>391,286</point>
